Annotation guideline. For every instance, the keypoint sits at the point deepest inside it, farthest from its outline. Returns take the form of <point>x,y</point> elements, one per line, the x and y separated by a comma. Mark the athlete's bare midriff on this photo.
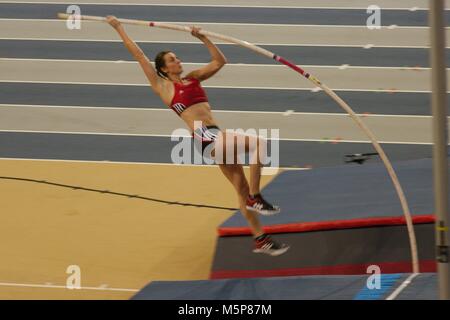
<point>196,112</point>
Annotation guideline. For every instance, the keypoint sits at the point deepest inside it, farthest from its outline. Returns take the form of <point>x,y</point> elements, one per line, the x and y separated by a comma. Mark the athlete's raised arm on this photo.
<point>137,53</point>
<point>218,59</point>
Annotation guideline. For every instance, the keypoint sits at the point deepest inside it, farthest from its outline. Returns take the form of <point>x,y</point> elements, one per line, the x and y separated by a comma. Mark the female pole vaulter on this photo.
<point>186,97</point>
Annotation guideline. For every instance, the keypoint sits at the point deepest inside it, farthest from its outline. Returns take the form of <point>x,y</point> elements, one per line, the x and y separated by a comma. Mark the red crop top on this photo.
<point>187,94</point>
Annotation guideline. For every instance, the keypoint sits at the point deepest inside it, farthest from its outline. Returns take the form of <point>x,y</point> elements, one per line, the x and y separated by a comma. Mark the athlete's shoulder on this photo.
<point>190,76</point>
<point>166,83</point>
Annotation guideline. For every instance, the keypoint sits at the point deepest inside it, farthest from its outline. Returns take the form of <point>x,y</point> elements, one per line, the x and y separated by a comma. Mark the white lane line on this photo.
<point>29,285</point>
<point>404,284</point>
<point>284,113</point>
<point>96,133</point>
<point>239,24</point>
<point>364,46</point>
<point>145,163</point>
<point>278,66</point>
<point>208,86</point>
<point>332,140</point>
<point>210,5</point>
<point>292,112</point>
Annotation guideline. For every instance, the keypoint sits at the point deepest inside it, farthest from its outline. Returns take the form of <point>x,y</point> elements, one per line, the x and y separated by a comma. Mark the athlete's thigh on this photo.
<point>235,174</point>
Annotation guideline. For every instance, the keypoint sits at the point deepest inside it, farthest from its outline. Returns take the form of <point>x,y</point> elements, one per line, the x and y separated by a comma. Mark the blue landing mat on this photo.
<point>303,288</point>
<point>346,193</point>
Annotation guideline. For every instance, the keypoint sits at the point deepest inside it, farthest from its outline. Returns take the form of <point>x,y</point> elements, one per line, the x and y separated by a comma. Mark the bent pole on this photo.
<point>315,81</point>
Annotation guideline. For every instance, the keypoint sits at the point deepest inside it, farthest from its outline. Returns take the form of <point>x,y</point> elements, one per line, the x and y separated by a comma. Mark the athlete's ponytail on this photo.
<point>160,63</point>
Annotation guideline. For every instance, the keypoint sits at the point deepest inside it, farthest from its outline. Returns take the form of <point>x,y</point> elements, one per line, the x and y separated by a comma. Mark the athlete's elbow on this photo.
<point>221,62</point>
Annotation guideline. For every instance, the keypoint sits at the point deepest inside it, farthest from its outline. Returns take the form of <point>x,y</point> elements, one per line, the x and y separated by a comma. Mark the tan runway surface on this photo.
<point>118,241</point>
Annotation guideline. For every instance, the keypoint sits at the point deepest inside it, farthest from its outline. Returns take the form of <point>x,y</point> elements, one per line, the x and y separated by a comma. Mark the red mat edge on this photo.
<point>386,267</point>
<point>327,225</point>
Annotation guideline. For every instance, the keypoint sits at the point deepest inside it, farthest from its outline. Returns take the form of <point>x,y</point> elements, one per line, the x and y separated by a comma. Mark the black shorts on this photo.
<point>204,136</point>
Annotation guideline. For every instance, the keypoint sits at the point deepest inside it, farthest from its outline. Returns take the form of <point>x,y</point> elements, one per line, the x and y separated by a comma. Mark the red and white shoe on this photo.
<point>258,204</point>
<point>265,244</point>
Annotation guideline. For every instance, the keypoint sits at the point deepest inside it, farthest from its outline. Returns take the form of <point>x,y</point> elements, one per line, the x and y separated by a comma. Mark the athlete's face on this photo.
<point>173,64</point>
